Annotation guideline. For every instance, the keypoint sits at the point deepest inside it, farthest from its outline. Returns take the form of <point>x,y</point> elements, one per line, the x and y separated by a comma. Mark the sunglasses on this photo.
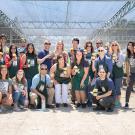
<point>47,43</point>
<point>100,50</point>
<point>13,48</point>
<point>98,43</point>
<point>114,45</point>
<point>43,68</point>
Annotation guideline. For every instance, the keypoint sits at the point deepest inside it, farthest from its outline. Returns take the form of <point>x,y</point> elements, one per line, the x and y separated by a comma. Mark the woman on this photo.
<point>1,49</point>
<point>130,70</point>
<point>117,72</point>
<point>60,73</point>
<point>80,69</point>
<point>60,51</point>
<point>13,61</point>
<point>92,75</point>
<point>5,88</point>
<point>89,49</point>
<point>2,62</point>
<point>20,90</point>
<point>31,65</point>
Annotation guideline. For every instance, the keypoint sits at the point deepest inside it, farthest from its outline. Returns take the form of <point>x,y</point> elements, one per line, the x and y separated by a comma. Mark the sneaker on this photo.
<point>32,106</point>
<point>16,108</point>
<point>126,106</point>
<point>78,105</point>
<point>57,105</point>
<point>50,106</point>
<point>117,104</point>
<point>65,104</point>
<point>21,107</point>
<point>109,110</point>
<point>83,105</point>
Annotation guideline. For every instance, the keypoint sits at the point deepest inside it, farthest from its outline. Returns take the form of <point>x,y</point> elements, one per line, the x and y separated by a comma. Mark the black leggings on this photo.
<point>130,86</point>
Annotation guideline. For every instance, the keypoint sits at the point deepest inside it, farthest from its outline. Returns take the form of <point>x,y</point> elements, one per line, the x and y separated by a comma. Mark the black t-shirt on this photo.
<point>104,86</point>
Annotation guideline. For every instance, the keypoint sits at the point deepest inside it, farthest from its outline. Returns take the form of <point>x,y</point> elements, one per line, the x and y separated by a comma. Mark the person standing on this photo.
<point>60,73</point>
<point>130,70</point>
<point>80,78</point>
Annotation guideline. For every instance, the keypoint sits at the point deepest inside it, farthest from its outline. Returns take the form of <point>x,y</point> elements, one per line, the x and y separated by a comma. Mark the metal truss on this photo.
<point>8,23</point>
<point>58,25</point>
<point>115,19</point>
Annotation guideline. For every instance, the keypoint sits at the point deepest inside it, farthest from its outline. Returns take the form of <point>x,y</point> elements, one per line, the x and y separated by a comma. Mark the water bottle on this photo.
<point>43,105</point>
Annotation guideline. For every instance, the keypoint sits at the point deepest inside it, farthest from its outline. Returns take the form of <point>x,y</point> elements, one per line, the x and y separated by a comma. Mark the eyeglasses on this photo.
<point>30,48</point>
<point>100,50</point>
<point>101,72</point>
<point>88,46</point>
<point>47,43</point>
<point>114,45</point>
<point>98,43</point>
<point>43,68</point>
<point>13,48</point>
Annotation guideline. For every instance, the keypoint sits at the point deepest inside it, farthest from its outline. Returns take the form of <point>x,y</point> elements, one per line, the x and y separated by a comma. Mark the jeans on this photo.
<point>130,86</point>
<point>117,86</point>
<point>29,81</point>
<point>18,98</point>
<point>89,89</point>
<point>106,102</point>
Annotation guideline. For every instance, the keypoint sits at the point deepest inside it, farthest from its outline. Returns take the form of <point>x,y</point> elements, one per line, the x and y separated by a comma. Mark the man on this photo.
<point>75,47</point>
<point>103,62</point>
<point>75,44</point>
<point>103,92</point>
<point>40,86</point>
<point>99,43</point>
<point>44,57</point>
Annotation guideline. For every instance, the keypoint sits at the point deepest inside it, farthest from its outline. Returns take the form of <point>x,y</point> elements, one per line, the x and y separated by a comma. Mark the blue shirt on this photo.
<point>36,79</point>
<point>107,61</point>
<point>48,61</point>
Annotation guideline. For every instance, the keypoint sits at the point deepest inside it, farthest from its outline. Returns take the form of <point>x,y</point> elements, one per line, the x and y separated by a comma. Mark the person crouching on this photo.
<point>103,92</point>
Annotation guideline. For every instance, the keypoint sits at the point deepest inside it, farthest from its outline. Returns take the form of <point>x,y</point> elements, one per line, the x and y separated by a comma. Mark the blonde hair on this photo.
<point>61,42</point>
<point>118,45</point>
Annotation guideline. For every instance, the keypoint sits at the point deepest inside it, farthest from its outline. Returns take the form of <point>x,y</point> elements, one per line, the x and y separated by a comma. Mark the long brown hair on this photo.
<point>7,75</point>
<point>86,45</point>
<point>23,80</point>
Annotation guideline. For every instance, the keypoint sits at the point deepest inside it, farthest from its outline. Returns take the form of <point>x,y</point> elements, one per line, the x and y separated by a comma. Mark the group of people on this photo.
<point>28,79</point>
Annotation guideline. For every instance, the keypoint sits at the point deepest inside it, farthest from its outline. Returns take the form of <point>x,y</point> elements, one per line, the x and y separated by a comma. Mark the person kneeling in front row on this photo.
<point>39,87</point>
<point>103,92</point>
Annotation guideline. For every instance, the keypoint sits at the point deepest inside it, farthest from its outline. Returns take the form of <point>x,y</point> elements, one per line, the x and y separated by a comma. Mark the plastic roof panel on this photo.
<point>61,11</point>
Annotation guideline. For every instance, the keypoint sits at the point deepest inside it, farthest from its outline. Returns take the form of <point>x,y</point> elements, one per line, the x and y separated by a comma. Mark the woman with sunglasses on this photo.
<point>60,73</point>
<point>5,88</point>
<point>19,90</point>
<point>80,77</point>
<point>130,70</point>
<point>13,61</point>
<point>117,72</point>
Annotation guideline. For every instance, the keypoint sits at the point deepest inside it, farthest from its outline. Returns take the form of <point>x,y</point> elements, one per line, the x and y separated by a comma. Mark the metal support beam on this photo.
<point>5,20</point>
<point>116,18</point>
<point>58,25</point>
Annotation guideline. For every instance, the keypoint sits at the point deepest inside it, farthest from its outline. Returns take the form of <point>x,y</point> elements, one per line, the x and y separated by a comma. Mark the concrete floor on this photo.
<point>69,121</point>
